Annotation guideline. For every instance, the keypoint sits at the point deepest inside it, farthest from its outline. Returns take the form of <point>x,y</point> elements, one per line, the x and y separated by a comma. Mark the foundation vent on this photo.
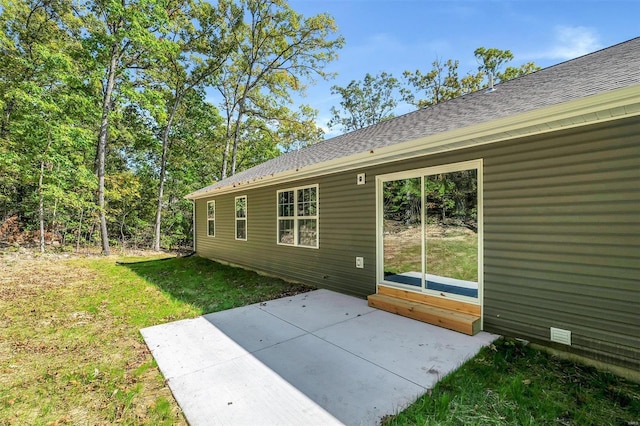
<point>560,336</point>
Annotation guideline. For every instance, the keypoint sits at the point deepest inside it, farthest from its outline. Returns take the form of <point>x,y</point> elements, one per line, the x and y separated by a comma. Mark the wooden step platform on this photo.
<point>454,315</point>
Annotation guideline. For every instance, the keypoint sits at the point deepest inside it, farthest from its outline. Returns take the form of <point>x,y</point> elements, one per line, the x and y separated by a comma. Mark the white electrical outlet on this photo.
<point>560,336</point>
<point>360,262</point>
<point>361,179</point>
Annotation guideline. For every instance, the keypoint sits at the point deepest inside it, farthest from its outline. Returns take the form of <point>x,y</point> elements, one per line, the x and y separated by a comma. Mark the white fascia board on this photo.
<point>589,110</point>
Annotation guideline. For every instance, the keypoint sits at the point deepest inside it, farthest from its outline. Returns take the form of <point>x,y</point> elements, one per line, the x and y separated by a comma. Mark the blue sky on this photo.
<point>399,35</point>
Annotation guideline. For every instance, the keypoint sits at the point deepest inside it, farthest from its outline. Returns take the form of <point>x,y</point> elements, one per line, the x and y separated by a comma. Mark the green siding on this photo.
<point>561,235</point>
<point>343,234</point>
<point>562,239</point>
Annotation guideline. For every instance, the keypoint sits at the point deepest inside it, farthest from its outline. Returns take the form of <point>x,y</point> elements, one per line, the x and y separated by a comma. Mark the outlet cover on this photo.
<point>361,179</point>
<point>360,262</point>
<point>560,336</point>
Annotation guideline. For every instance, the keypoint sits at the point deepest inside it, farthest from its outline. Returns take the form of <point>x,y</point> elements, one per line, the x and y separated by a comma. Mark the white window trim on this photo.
<point>296,218</point>
<point>445,168</point>
<point>211,219</point>
<point>245,218</point>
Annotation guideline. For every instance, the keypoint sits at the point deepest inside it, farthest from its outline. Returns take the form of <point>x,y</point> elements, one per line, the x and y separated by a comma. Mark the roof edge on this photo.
<point>615,104</point>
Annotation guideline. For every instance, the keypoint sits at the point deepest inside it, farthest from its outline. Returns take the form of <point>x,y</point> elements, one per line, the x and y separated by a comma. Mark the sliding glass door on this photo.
<point>430,228</point>
<point>403,237</point>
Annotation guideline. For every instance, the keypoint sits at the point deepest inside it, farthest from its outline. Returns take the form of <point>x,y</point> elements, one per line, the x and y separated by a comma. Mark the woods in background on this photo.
<point>112,110</point>
<point>105,118</point>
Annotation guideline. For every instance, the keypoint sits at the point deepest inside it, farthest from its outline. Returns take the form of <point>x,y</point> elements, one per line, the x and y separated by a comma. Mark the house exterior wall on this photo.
<point>561,236</point>
<point>344,232</point>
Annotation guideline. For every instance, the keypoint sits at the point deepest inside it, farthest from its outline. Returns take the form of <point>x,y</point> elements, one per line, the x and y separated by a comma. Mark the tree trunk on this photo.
<point>232,134</point>
<point>6,118</point>
<point>227,145</point>
<point>41,193</point>
<point>122,222</point>
<point>163,167</point>
<point>236,135</point>
<point>102,150</point>
<point>79,231</point>
<point>41,206</point>
<point>234,155</point>
<point>54,225</point>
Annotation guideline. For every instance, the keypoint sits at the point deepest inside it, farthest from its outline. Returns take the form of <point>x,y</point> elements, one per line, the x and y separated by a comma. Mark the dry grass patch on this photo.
<point>66,358</point>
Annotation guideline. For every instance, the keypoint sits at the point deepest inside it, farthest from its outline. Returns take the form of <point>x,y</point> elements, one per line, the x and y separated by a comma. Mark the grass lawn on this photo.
<point>70,347</point>
<point>454,258</point>
<point>511,384</point>
<point>71,351</point>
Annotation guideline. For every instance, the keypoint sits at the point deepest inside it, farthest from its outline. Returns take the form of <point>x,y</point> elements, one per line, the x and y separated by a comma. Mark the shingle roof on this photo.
<point>605,70</point>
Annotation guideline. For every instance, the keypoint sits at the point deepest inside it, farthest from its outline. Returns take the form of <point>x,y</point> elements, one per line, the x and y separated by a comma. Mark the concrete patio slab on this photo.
<point>183,347</point>
<point>412,349</point>
<point>317,309</point>
<point>243,391</point>
<point>315,358</point>
<point>253,328</point>
<point>353,389</point>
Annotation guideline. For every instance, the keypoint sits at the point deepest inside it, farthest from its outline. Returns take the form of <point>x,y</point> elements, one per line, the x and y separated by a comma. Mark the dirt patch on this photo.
<point>25,253</point>
<point>24,277</point>
<point>398,230</point>
<point>293,290</point>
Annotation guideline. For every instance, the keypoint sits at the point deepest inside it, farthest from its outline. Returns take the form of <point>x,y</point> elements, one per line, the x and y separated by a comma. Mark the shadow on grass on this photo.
<point>210,286</point>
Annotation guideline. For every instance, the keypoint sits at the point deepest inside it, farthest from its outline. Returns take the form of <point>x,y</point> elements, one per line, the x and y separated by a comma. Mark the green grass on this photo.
<point>70,347</point>
<point>71,352</point>
<point>454,258</point>
<point>511,384</point>
<point>211,287</point>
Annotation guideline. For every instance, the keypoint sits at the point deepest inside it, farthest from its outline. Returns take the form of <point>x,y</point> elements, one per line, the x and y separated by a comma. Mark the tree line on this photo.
<point>112,110</point>
<point>106,106</point>
<point>450,199</point>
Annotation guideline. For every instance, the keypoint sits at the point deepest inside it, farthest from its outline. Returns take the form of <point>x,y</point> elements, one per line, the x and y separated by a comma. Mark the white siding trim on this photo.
<point>193,221</point>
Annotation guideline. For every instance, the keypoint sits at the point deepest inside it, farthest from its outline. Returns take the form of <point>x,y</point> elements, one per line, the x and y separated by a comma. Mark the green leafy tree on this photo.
<point>402,200</point>
<point>279,50</point>
<point>440,84</point>
<point>285,129</point>
<point>299,131</point>
<point>103,119</point>
<point>196,152</point>
<point>121,38</point>
<point>443,82</point>
<point>514,72</point>
<point>45,111</point>
<point>491,62</point>
<point>365,102</point>
<point>205,39</point>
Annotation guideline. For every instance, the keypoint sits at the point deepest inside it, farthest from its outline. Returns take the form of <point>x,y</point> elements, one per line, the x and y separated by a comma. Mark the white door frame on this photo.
<point>420,173</point>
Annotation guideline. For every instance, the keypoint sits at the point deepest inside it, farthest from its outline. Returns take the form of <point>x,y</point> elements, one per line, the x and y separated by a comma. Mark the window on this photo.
<point>298,216</point>
<point>211,218</point>
<point>241,218</point>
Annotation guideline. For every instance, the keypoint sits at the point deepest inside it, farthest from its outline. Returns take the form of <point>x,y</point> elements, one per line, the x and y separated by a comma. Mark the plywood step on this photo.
<point>447,318</point>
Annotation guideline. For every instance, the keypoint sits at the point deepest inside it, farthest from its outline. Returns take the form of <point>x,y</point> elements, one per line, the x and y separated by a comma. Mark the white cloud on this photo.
<point>571,42</point>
